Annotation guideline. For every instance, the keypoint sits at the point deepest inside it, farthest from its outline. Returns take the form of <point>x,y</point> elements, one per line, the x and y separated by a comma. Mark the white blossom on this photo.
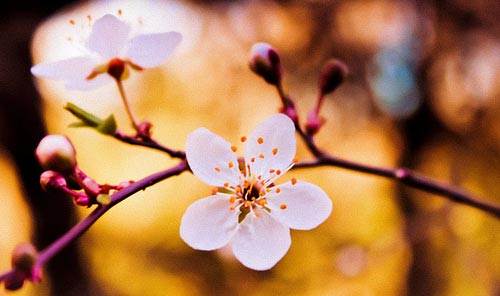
<point>110,44</point>
<point>249,211</point>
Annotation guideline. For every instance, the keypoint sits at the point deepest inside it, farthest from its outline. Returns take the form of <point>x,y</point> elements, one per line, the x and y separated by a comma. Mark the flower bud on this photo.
<point>15,281</point>
<point>265,62</point>
<point>52,180</point>
<point>56,153</point>
<point>332,75</point>
<point>313,123</point>
<point>24,258</point>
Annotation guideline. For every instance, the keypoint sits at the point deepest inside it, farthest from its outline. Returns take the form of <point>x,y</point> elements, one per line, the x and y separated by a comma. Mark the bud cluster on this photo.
<point>265,62</point>
<point>57,156</point>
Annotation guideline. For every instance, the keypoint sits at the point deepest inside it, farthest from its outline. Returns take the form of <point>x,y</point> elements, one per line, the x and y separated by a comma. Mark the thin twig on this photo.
<point>79,229</point>
<point>409,178</point>
<point>150,143</point>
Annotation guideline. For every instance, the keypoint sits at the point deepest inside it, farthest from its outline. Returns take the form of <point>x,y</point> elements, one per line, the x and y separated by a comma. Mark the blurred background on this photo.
<point>422,93</point>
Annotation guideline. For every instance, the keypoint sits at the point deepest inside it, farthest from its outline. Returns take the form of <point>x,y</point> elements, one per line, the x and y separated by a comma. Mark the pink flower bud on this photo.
<point>24,258</point>
<point>52,180</point>
<point>332,75</point>
<point>56,153</point>
<point>265,62</point>
<point>14,282</point>
<point>314,122</point>
<point>24,266</point>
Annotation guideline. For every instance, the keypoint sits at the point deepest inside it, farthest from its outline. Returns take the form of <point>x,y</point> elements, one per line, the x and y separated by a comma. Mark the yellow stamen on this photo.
<point>248,203</point>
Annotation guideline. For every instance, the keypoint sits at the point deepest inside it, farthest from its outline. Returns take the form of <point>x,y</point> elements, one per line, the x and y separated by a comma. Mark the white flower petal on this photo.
<point>152,50</point>
<point>108,37</point>
<point>76,68</point>
<point>277,132</point>
<point>260,242</point>
<point>84,84</point>
<point>209,157</point>
<point>209,224</point>
<point>307,205</point>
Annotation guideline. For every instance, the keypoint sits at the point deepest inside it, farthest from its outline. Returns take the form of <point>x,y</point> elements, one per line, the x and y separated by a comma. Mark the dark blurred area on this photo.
<point>424,74</point>
<point>21,128</point>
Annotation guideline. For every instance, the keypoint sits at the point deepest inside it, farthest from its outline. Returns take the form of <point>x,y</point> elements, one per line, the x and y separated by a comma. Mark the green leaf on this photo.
<point>108,125</point>
<point>86,117</point>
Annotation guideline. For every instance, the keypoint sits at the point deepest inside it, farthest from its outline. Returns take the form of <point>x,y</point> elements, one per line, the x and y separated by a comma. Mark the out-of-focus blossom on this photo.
<point>110,49</point>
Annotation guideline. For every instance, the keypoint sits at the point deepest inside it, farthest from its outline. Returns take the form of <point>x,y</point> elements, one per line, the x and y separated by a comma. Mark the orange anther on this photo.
<point>294,181</point>
<point>252,159</point>
<point>243,139</point>
<point>272,171</point>
<point>234,148</point>
<point>217,169</point>
<point>119,12</point>
<point>230,164</point>
<point>226,184</point>
<point>214,191</point>
<point>248,203</point>
<point>72,22</point>
<point>295,159</point>
<point>260,140</point>
<point>232,199</point>
<point>261,155</point>
<point>283,206</point>
<point>278,190</point>
<point>278,172</point>
<point>275,151</point>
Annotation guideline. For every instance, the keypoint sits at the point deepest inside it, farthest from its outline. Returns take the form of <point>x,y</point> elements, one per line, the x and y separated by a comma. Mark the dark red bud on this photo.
<point>332,75</point>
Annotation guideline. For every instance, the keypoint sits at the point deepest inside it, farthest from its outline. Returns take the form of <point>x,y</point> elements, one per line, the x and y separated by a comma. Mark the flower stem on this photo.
<point>150,143</point>
<point>125,101</point>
